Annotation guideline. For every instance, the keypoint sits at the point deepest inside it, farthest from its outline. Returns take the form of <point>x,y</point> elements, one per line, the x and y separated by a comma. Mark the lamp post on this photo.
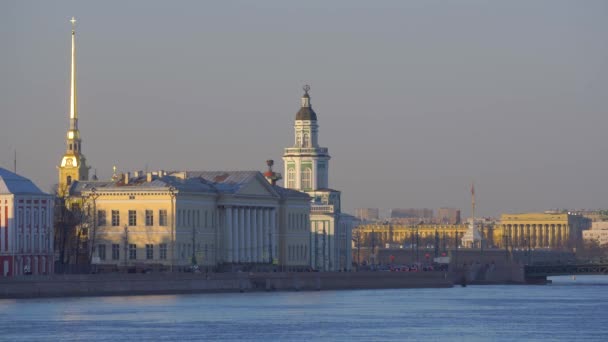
<point>417,244</point>
<point>126,237</point>
<point>172,194</point>
<point>94,195</point>
<point>436,244</point>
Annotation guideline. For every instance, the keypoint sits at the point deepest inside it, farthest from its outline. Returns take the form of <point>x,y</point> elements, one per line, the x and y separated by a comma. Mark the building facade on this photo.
<point>598,233</point>
<point>306,166</point>
<point>542,230</point>
<point>26,227</point>
<point>175,220</point>
<point>448,216</point>
<point>367,214</point>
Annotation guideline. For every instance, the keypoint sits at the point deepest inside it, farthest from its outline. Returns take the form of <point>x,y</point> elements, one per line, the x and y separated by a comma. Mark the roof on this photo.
<point>284,192</point>
<point>225,181</point>
<point>166,182</point>
<point>306,113</point>
<point>12,183</point>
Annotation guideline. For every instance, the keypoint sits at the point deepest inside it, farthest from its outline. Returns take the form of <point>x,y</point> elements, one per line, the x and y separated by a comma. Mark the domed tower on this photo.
<point>306,164</point>
<point>73,165</point>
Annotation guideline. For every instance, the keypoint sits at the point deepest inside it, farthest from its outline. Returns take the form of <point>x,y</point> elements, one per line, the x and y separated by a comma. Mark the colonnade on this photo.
<point>251,234</point>
<point>537,235</point>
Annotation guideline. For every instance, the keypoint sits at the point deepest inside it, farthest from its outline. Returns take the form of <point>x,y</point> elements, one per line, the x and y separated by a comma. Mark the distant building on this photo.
<point>367,214</point>
<point>597,233</point>
<point>542,230</point>
<point>26,227</point>
<point>423,213</point>
<point>448,216</point>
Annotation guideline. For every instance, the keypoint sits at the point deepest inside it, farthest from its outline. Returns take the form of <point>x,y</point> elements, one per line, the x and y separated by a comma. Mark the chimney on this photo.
<point>149,177</point>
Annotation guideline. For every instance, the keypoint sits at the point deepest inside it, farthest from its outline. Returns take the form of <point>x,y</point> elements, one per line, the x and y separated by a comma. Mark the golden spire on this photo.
<point>73,108</point>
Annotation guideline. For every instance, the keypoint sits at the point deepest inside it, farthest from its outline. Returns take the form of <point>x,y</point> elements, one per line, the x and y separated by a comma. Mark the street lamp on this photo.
<point>93,195</point>
<point>126,237</point>
<point>172,193</point>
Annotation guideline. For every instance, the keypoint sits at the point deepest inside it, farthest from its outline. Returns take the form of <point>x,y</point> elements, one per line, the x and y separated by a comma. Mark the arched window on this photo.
<point>291,179</point>
<point>69,180</point>
<point>298,140</point>
<point>307,178</point>
<point>305,140</point>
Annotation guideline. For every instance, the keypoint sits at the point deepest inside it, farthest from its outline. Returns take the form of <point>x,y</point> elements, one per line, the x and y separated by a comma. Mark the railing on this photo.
<point>315,208</point>
<point>318,150</point>
<point>567,269</point>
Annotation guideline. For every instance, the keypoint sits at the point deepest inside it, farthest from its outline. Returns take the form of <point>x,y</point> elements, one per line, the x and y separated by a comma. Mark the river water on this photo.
<point>567,310</point>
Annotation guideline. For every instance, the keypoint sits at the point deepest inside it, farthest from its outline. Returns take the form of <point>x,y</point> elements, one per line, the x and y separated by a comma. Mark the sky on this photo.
<point>415,99</point>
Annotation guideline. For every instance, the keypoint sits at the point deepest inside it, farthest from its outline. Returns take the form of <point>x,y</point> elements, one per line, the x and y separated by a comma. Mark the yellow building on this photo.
<point>383,235</point>
<point>174,220</point>
<point>541,230</point>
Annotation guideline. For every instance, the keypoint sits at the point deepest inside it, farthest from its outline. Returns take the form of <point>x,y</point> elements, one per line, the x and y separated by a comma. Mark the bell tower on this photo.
<point>73,165</point>
<point>306,163</point>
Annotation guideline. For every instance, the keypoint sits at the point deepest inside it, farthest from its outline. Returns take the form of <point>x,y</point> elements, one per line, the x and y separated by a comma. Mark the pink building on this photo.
<point>26,227</point>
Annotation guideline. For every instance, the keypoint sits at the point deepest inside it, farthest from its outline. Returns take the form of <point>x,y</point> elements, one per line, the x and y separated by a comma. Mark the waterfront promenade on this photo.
<point>112,284</point>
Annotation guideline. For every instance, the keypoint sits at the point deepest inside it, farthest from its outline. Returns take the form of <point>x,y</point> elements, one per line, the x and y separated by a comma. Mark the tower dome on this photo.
<point>306,113</point>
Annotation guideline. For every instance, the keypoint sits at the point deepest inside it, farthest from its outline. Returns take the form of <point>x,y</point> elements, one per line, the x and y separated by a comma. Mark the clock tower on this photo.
<point>73,165</point>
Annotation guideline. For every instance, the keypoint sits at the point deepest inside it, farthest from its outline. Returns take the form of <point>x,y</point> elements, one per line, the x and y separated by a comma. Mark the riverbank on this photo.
<point>121,284</point>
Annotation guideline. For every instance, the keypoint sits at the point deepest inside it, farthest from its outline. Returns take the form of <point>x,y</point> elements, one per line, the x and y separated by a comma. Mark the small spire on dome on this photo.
<point>306,97</point>
<point>306,89</point>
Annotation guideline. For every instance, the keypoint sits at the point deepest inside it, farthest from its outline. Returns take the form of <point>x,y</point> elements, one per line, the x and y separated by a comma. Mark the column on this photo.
<point>546,235</point>
<point>265,233</point>
<point>242,256</point>
<point>247,235</point>
<point>254,235</point>
<point>228,230</point>
<point>275,233</point>
<point>515,236</point>
<point>260,216</point>
<point>313,246</point>
<point>559,236</point>
<point>235,234</point>
<point>552,236</point>
<point>539,236</point>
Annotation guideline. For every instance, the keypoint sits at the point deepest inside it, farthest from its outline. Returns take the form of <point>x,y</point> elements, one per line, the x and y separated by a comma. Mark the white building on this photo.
<point>597,233</point>
<point>216,219</point>
<point>307,170</point>
<point>26,227</point>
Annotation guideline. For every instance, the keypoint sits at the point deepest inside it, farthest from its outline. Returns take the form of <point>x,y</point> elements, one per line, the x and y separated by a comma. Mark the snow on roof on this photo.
<point>12,183</point>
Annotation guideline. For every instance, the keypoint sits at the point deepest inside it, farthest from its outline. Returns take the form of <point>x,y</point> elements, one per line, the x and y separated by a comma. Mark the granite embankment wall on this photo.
<point>160,283</point>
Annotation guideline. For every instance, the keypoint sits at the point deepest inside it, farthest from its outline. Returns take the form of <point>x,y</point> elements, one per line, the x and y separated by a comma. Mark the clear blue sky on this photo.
<point>415,99</point>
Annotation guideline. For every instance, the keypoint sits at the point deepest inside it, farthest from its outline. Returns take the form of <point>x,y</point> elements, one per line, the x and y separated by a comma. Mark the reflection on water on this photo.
<point>568,310</point>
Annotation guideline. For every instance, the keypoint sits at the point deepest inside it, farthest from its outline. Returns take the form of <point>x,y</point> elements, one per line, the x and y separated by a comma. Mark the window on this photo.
<point>149,252</point>
<point>101,251</point>
<point>149,218</point>
<point>132,218</point>
<point>101,217</point>
<point>305,140</point>
<point>132,252</point>
<point>298,140</point>
<point>162,217</point>
<point>115,218</point>
<point>115,251</point>
<point>163,251</point>
<point>291,178</point>
<point>306,178</point>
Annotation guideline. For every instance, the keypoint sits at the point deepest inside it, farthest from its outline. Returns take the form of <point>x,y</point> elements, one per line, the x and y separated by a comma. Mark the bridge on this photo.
<point>543,271</point>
